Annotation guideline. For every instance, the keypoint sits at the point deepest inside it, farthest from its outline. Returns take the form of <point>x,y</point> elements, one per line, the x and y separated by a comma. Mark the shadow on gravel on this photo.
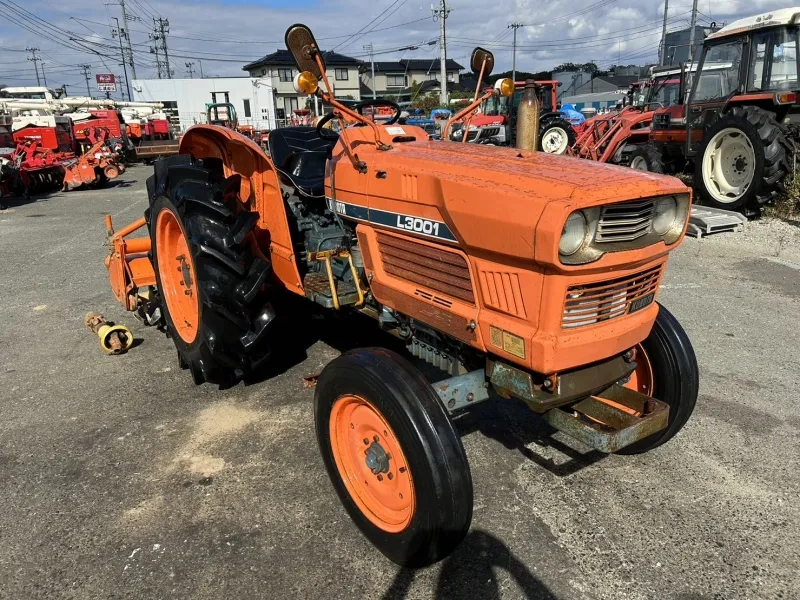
<point>470,573</point>
<point>512,423</point>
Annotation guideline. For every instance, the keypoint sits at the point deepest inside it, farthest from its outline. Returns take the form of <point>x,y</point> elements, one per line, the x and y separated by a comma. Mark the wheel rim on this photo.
<point>729,165</point>
<point>642,379</point>
<point>111,172</point>
<point>554,141</point>
<point>177,273</point>
<point>639,163</point>
<point>371,464</point>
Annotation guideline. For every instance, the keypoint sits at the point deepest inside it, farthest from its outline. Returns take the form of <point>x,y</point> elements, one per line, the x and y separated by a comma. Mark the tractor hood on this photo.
<point>491,198</point>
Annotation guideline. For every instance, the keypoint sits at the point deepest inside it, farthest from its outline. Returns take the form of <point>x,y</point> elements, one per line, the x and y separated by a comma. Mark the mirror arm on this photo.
<point>468,122</point>
<point>328,98</point>
<point>475,104</point>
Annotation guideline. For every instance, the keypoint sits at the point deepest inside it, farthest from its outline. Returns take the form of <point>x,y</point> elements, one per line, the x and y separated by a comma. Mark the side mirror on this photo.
<point>479,56</point>
<point>301,43</point>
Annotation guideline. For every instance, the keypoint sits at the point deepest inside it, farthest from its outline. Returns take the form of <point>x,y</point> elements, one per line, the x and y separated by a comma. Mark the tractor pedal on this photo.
<point>318,289</point>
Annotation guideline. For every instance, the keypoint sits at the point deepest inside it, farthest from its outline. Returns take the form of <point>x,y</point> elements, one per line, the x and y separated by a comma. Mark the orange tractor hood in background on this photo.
<point>440,181</point>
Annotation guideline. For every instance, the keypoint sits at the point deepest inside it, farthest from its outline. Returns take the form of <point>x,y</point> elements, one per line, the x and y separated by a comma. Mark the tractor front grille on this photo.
<point>625,222</point>
<point>593,303</point>
<point>432,268</point>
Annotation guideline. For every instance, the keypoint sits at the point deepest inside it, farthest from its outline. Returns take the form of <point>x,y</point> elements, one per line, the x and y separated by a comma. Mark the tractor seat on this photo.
<point>300,154</point>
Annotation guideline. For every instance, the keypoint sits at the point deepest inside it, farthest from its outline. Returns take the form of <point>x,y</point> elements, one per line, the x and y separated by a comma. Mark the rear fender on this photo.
<point>260,192</point>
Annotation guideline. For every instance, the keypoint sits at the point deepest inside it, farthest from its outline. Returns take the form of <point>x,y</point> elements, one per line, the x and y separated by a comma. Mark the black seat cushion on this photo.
<point>300,154</point>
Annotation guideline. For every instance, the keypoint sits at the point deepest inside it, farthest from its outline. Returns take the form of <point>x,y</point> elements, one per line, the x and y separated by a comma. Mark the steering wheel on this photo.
<point>380,102</point>
<point>324,132</point>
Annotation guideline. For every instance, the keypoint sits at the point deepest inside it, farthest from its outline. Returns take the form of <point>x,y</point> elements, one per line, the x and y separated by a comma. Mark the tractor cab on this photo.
<point>729,124</point>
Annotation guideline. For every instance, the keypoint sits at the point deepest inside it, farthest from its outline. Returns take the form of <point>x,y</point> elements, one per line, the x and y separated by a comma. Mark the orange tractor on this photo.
<point>520,275</point>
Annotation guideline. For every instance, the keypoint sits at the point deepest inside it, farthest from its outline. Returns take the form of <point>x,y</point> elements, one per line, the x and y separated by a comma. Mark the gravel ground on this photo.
<point>121,479</point>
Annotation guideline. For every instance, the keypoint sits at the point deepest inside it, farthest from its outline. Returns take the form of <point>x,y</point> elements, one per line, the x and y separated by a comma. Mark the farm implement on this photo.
<point>521,276</point>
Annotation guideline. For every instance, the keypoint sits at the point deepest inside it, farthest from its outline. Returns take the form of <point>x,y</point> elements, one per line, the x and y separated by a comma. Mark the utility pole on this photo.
<point>162,29</point>
<point>190,67</point>
<point>154,50</point>
<point>663,54</point>
<point>125,32</point>
<point>120,33</point>
<point>515,26</point>
<point>35,60</point>
<point>691,33</point>
<point>368,48</point>
<point>43,76</point>
<point>441,13</point>
<point>86,69</point>
<point>200,62</point>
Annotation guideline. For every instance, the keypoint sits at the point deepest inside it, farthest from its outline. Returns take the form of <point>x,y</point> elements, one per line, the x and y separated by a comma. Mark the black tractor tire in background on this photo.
<point>564,127</point>
<point>649,156</point>
<point>676,377</point>
<point>235,315</point>
<point>773,155</point>
<point>440,479</point>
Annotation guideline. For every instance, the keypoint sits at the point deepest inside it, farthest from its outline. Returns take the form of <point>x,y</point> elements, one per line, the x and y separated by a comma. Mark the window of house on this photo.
<point>430,76</point>
<point>451,77</point>
<point>246,107</point>
<point>286,74</point>
<point>341,74</point>
<point>395,80</point>
<point>291,104</point>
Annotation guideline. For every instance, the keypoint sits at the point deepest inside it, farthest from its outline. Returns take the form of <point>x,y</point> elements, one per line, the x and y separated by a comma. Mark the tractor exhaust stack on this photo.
<point>528,118</point>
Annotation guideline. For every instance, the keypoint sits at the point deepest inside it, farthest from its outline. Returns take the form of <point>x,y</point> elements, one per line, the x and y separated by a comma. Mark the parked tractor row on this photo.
<point>730,120</point>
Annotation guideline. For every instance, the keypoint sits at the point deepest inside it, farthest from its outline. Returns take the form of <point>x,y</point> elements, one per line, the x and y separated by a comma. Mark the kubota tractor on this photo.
<point>520,275</point>
<point>732,129</point>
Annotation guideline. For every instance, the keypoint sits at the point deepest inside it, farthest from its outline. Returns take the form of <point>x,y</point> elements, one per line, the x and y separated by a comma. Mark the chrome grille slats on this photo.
<point>625,222</point>
<point>588,304</point>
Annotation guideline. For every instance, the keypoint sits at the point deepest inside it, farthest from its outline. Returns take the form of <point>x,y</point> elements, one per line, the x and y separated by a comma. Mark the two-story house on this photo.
<point>396,79</point>
<point>279,69</point>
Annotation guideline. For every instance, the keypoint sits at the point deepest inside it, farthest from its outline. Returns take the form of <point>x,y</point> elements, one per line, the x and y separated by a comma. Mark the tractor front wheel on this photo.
<point>647,157</point>
<point>210,281</point>
<point>666,369</point>
<point>556,135</point>
<point>743,160</point>
<point>393,456</point>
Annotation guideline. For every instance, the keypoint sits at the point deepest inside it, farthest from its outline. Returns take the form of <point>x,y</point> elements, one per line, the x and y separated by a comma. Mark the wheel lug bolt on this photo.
<point>380,477</point>
<point>375,438</point>
<point>390,476</point>
<point>402,469</point>
<point>366,442</point>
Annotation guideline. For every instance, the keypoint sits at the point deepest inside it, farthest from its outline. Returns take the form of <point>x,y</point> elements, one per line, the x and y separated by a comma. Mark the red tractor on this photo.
<point>497,121</point>
<point>732,131</point>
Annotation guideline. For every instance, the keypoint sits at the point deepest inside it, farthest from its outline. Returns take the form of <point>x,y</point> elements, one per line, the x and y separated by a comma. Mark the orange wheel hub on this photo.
<point>178,281</point>
<point>642,379</point>
<point>371,464</point>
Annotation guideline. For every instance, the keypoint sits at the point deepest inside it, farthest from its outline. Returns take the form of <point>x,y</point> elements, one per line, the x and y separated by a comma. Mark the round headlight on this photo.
<point>574,234</point>
<point>664,215</point>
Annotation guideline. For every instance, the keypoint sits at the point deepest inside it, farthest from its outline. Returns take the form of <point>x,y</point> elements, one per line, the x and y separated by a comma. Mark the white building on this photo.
<point>186,100</point>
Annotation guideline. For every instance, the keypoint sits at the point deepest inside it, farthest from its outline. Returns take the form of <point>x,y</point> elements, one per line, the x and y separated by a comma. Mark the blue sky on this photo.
<point>225,34</point>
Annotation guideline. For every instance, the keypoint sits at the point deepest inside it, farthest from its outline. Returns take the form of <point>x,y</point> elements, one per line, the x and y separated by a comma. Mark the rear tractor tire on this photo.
<point>647,157</point>
<point>555,136</point>
<point>393,456</point>
<point>666,369</point>
<point>743,161</point>
<point>211,284</point>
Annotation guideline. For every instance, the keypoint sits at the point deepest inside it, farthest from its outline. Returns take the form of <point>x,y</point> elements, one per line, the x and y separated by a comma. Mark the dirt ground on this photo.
<point>121,479</point>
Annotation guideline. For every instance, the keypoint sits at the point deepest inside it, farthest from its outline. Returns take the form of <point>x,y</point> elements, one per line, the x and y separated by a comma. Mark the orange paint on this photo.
<point>386,498</point>
<point>178,277</point>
